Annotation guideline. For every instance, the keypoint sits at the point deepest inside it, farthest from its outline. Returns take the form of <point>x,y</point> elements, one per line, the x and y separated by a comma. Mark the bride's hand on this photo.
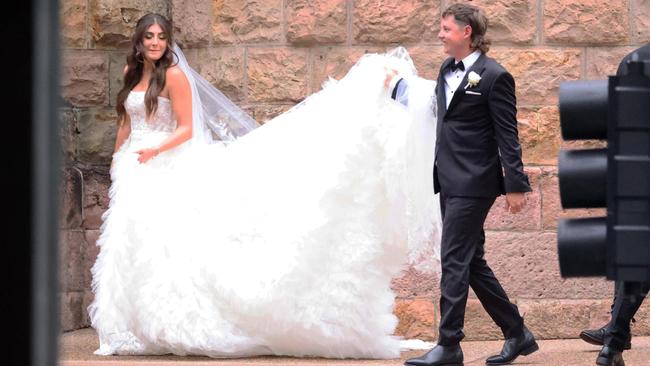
<point>390,74</point>
<point>146,154</point>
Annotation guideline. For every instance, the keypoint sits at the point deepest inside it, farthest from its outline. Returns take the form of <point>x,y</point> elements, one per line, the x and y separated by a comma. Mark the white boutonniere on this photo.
<point>472,80</point>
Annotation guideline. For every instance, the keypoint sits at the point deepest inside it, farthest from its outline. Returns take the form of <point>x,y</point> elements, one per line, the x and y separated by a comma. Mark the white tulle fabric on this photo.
<point>289,237</point>
<point>214,116</point>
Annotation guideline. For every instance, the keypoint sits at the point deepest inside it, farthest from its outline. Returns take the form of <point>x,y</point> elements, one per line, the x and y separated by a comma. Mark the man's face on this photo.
<point>456,38</point>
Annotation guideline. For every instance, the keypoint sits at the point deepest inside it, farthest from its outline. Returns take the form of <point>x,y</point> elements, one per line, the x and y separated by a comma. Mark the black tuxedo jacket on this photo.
<point>477,147</point>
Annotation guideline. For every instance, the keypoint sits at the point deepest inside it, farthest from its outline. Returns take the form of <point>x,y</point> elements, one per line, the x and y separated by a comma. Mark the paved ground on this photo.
<point>77,350</point>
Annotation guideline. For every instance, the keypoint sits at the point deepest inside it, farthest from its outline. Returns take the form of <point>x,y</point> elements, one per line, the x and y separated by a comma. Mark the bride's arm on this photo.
<point>123,132</point>
<point>180,95</point>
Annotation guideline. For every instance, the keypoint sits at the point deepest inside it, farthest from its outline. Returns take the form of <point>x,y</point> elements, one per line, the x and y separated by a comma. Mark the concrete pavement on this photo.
<point>77,350</point>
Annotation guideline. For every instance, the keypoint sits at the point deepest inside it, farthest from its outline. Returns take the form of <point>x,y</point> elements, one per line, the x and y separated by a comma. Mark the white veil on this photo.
<point>423,205</point>
<point>214,116</point>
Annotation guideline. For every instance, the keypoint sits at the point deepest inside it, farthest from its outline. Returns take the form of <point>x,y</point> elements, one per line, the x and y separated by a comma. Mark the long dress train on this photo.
<point>282,242</point>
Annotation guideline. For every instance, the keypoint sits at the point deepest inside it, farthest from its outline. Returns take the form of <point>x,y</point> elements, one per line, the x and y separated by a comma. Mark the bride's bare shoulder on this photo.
<point>175,77</point>
<point>175,72</point>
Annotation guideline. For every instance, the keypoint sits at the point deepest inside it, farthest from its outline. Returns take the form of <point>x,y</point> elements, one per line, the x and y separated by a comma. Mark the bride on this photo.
<point>228,240</point>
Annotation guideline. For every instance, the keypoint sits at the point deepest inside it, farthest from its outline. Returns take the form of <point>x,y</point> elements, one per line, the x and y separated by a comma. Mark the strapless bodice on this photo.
<point>162,121</point>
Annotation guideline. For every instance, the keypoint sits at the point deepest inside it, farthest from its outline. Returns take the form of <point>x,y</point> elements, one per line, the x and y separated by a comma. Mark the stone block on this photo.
<point>277,75</point>
<point>586,22</point>
<point>224,68</point>
<point>316,21</point>
<point>640,21</point>
<point>192,22</point>
<point>538,72</point>
<point>558,319</point>
<point>73,23</point>
<point>417,319</point>
<point>335,62</point>
<point>70,311</point>
<point>539,134</point>
<point>68,133</point>
<point>478,324</point>
<point>84,78</point>
<point>71,198</point>
<point>96,184</point>
<point>97,130</point>
<point>395,21</point>
<point>71,260</point>
<point>427,60</point>
<point>112,22</point>
<point>90,256</point>
<point>510,21</point>
<point>117,62</point>
<point>88,298</point>
<point>413,283</point>
<point>603,61</point>
<point>250,21</point>
<point>526,264</point>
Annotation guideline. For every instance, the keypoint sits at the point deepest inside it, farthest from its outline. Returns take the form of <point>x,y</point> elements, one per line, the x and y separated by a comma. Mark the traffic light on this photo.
<point>582,242</point>
<point>616,177</point>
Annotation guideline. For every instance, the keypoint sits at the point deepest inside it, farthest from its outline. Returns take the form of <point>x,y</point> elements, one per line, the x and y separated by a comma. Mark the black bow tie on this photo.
<point>459,66</point>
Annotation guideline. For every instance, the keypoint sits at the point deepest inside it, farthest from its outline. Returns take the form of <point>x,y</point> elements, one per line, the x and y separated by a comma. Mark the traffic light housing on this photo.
<point>616,177</point>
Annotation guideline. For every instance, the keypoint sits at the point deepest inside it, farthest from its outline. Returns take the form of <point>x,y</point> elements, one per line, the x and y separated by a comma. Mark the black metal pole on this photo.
<point>45,182</point>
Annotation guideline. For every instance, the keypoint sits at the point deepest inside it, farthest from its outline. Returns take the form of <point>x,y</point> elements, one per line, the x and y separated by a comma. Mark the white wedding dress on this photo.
<point>282,242</point>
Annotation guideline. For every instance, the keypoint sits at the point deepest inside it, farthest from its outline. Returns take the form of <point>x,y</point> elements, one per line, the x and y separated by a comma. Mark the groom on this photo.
<point>477,143</point>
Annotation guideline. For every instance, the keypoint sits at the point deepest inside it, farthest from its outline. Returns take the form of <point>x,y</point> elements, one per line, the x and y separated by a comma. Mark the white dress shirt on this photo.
<point>454,78</point>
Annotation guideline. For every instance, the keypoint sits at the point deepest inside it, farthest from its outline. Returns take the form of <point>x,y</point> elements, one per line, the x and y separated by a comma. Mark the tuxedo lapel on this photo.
<point>458,95</point>
<point>441,96</point>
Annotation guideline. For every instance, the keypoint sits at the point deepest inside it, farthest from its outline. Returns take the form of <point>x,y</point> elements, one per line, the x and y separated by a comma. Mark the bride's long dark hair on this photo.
<point>135,66</point>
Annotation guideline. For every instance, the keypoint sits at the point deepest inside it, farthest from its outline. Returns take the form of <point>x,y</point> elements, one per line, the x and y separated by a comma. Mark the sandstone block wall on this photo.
<point>267,55</point>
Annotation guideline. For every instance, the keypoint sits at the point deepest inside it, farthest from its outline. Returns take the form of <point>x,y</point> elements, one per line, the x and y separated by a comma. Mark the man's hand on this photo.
<point>515,201</point>
<point>390,74</point>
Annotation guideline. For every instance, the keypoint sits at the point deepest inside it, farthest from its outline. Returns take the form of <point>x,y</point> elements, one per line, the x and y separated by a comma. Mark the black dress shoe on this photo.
<point>610,357</point>
<point>597,337</point>
<point>513,348</point>
<point>439,356</point>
